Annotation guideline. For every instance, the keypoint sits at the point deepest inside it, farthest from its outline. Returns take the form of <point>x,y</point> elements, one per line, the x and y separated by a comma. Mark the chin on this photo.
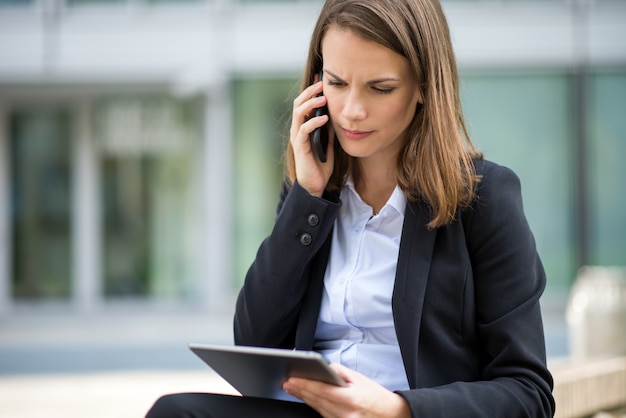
<point>353,148</point>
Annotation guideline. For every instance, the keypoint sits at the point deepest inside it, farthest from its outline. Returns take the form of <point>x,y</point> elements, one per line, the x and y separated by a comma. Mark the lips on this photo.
<point>356,135</point>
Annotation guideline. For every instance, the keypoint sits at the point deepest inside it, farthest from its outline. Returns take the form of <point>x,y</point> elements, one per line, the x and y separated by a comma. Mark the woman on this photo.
<point>405,258</point>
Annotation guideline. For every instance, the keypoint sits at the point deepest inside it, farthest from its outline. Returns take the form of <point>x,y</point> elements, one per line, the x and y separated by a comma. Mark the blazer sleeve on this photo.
<point>509,280</point>
<point>268,304</point>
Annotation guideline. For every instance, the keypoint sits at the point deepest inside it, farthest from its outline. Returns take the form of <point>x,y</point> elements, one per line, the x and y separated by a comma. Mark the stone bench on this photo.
<point>585,388</point>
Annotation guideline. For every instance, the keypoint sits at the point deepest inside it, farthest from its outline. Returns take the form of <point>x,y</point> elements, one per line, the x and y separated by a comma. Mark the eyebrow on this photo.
<point>375,81</point>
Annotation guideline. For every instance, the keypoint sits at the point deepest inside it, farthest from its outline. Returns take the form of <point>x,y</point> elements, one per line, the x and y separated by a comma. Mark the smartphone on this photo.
<point>320,135</point>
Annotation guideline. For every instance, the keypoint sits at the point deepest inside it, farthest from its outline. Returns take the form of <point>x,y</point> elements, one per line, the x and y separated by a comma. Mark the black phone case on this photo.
<point>320,135</point>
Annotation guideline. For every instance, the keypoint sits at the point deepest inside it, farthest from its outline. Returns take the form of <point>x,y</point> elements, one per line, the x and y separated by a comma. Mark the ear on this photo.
<point>420,93</point>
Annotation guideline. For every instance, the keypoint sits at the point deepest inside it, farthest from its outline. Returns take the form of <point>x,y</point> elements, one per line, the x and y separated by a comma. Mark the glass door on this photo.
<point>150,150</point>
<point>39,147</point>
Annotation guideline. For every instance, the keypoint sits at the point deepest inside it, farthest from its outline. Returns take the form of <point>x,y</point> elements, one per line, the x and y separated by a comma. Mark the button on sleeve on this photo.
<point>313,219</point>
<point>305,239</point>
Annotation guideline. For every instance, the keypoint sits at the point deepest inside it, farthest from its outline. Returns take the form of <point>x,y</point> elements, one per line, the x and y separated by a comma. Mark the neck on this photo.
<point>374,183</point>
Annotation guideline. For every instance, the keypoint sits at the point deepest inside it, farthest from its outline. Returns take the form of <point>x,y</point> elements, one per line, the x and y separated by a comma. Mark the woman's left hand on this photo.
<point>362,397</point>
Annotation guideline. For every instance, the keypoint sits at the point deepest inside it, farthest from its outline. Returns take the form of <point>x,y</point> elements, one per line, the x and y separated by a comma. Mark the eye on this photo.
<point>383,90</point>
<point>334,83</point>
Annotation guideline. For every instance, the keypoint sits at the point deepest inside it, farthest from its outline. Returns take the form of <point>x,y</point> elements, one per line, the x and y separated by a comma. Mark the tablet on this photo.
<point>261,372</point>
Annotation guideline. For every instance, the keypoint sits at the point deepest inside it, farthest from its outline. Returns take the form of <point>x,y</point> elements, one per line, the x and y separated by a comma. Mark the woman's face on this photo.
<point>372,95</point>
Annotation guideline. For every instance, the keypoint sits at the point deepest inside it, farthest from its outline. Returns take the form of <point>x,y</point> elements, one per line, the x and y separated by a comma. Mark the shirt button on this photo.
<point>305,239</point>
<point>313,219</point>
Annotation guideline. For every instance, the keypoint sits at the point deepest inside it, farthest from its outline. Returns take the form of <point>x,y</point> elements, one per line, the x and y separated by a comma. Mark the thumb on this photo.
<point>346,374</point>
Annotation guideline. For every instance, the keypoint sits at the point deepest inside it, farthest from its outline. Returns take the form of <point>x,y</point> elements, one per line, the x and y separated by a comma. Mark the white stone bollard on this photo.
<point>596,313</point>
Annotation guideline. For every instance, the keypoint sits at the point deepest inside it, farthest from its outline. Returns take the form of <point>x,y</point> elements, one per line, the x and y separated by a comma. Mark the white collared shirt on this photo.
<point>355,326</point>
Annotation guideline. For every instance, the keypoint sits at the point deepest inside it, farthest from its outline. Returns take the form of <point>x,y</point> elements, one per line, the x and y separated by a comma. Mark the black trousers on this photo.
<point>209,405</point>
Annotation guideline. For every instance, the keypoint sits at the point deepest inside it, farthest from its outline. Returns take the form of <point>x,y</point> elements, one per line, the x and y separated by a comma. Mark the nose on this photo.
<point>354,106</point>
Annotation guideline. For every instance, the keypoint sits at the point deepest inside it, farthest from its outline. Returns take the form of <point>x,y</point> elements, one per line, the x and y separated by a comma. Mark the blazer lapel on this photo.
<point>414,260</point>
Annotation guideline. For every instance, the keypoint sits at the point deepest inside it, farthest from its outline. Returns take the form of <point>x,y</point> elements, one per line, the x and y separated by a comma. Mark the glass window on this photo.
<point>607,150</point>
<point>262,116</point>
<point>150,196</point>
<point>523,122</point>
<point>40,201</point>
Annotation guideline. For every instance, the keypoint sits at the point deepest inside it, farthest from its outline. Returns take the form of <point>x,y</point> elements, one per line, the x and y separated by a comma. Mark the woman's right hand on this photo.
<point>311,173</point>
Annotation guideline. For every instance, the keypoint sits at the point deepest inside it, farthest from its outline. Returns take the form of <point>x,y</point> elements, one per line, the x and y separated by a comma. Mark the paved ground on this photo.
<point>55,364</point>
<point>124,394</point>
<point>117,364</point>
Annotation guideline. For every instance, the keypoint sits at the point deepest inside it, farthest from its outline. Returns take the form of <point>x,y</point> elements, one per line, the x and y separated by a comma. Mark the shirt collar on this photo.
<point>397,200</point>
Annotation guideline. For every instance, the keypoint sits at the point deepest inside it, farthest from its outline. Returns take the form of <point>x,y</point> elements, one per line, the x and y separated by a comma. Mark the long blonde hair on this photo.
<point>436,162</point>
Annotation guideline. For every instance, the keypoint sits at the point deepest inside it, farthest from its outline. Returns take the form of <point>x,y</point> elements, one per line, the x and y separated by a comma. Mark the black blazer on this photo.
<point>465,301</point>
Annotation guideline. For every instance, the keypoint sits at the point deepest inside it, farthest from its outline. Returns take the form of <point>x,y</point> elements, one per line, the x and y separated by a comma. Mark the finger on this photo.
<point>346,373</point>
<point>306,387</point>
<point>303,111</point>
<point>304,104</point>
<point>301,134</point>
<point>312,91</point>
<point>316,394</point>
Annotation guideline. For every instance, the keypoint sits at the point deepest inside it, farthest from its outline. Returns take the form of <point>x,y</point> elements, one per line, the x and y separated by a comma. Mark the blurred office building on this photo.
<point>140,140</point>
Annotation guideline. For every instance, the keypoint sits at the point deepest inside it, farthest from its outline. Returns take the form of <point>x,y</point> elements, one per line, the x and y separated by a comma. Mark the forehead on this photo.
<point>345,52</point>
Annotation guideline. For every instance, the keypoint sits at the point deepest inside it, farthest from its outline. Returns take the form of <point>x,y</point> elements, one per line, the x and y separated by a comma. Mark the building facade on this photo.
<point>140,140</point>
